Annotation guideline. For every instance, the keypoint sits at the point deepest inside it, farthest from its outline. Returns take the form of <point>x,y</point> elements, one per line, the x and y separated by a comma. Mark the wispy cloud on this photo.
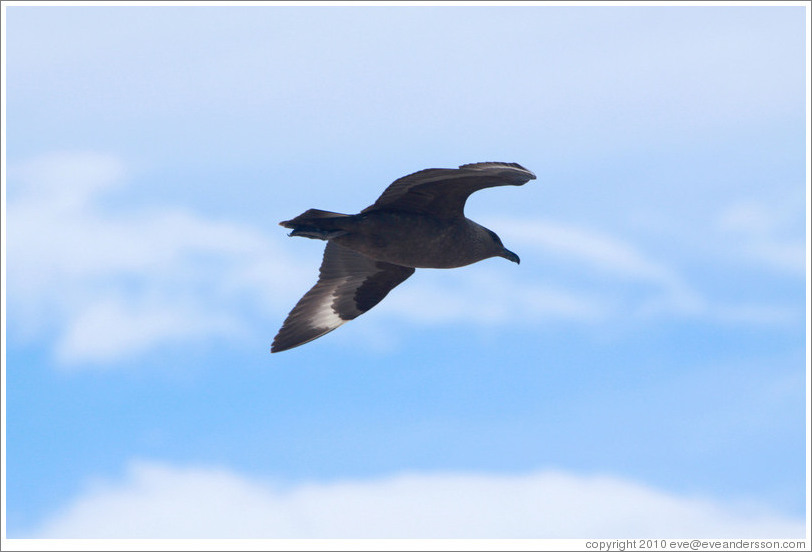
<point>659,290</point>
<point>766,234</point>
<point>488,296</point>
<point>112,284</point>
<point>662,289</point>
<point>589,286</point>
<point>116,283</point>
<point>158,500</point>
<point>596,249</point>
<point>112,327</point>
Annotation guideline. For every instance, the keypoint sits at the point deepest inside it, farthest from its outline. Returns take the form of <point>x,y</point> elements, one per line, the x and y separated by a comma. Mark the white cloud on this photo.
<point>110,328</point>
<point>68,180</point>
<point>608,256</point>
<point>156,500</point>
<point>112,284</point>
<point>491,297</point>
<point>693,72</point>
<point>766,234</point>
<point>662,290</point>
<point>115,284</point>
<point>598,250</point>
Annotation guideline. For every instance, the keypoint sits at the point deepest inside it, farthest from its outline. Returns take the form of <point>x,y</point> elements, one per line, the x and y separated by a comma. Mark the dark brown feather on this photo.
<point>442,192</point>
<point>349,285</point>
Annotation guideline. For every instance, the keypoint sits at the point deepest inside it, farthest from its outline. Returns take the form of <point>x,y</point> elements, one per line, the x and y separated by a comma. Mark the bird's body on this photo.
<point>418,222</point>
<point>440,240</point>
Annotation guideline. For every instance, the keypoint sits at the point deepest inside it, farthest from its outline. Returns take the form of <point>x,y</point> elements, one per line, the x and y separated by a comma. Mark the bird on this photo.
<point>417,222</point>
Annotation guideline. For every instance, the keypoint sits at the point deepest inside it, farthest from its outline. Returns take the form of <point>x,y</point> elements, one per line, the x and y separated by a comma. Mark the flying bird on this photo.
<point>418,222</point>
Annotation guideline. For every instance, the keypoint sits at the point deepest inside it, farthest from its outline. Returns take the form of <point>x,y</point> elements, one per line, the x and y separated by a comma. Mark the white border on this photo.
<point>373,544</point>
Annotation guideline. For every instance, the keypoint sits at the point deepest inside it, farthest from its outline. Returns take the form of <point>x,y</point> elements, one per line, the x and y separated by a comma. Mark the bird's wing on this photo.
<point>442,192</point>
<point>349,285</point>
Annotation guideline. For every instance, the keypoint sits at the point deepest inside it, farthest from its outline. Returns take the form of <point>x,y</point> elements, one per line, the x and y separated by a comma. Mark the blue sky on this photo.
<point>640,373</point>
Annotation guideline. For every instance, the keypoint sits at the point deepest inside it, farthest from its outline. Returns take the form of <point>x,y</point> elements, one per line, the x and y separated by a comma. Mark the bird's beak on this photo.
<point>510,256</point>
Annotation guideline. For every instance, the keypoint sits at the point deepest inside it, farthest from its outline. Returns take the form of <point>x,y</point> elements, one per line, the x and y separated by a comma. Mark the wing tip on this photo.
<point>284,343</point>
<point>514,168</point>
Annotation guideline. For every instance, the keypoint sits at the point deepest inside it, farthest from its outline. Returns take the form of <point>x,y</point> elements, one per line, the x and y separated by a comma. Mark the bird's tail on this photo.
<point>317,224</point>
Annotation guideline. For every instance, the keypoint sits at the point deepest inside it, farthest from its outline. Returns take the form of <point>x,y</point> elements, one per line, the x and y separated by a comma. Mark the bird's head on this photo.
<point>509,255</point>
<point>499,250</point>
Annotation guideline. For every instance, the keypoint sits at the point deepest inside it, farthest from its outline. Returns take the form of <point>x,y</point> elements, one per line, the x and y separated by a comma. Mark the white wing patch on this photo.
<point>349,285</point>
<point>324,316</point>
